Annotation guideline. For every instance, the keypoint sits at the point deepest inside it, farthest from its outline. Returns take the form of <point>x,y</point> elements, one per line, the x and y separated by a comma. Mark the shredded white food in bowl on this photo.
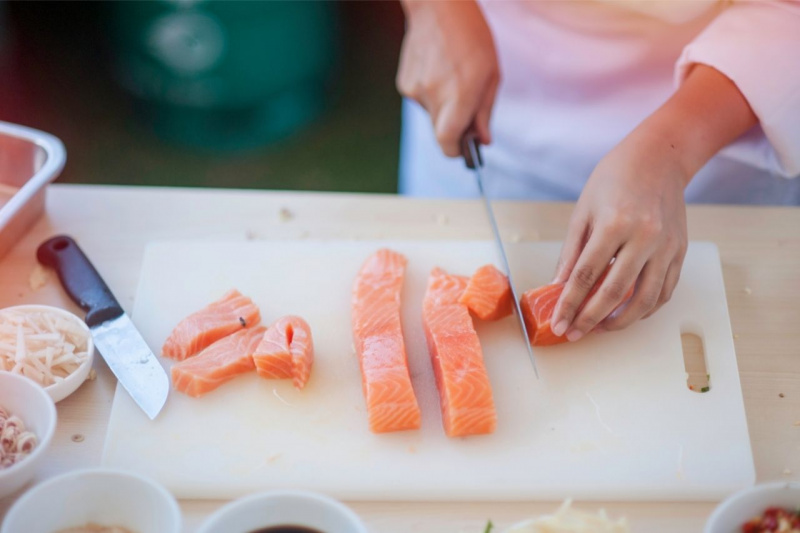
<point>569,520</point>
<point>15,441</point>
<point>41,345</point>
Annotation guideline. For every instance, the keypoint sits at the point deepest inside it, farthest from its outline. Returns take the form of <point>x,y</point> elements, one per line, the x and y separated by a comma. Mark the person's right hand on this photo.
<point>449,65</point>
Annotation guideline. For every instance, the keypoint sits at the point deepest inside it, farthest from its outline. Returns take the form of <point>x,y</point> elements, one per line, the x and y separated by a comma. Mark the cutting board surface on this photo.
<point>611,418</point>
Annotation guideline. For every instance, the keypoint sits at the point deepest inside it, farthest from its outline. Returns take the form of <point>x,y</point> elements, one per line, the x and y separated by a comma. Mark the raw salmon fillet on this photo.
<point>217,364</point>
<point>537,307</point>
<point>488,294</point>
<point>465,392</point>
<point>378,339</point>
<point>231,313</point>
<point>286,351</point>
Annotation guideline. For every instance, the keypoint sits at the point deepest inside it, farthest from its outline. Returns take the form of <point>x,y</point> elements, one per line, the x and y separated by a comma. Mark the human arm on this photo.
<point>750,47</point>
<point>448,64</point>
<point>632,207</point>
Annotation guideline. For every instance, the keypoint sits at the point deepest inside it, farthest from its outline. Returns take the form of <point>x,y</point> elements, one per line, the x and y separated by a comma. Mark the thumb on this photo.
<point>450,124</point>
<point>484,114</point>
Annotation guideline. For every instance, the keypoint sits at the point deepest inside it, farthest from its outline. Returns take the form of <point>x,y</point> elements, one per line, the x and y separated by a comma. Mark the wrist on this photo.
<point>425,8</point>
<point>657,150</point>
<point>667,135</point>
<point>415,8</point>
<point>705,114</point>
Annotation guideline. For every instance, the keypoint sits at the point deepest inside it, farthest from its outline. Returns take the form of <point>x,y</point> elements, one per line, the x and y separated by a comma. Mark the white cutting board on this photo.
<point>611,417</point>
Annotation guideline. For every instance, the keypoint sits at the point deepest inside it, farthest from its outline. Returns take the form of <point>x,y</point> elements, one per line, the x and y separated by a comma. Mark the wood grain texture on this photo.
<point>760,250</point>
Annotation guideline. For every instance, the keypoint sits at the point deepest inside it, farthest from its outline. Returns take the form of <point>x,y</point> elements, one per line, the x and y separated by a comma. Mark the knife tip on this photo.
<point>152,411</point>
<point>152,405</point>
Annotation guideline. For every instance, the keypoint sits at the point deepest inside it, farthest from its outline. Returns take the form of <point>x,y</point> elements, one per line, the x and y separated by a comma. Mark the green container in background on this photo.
<point>225,74</point>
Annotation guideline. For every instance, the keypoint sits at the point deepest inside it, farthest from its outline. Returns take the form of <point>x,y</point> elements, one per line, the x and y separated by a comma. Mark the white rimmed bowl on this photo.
<point>100,496</point>
<point>59,391</point>
<point>283,508</point>
<point>740,507</point>
<point>24,398</point>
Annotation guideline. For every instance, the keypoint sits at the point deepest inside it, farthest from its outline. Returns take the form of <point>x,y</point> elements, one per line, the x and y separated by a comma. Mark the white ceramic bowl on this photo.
<point>106,497</point>
<point>280,508</point>
<point>59,391</point>
<point>737,509</point>
<point>25,398</point>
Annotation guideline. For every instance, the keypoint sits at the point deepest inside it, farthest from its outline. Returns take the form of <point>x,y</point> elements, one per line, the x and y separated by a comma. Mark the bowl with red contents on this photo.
<point>765,508</point>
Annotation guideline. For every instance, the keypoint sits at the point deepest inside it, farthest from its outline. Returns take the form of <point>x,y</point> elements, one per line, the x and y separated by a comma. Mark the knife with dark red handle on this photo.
<point>113,333</point>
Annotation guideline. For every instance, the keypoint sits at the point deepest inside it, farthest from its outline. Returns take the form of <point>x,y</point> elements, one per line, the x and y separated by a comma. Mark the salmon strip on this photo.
<point>465,392</point>
<point>488,294</point>
<point>217,364</point>
<point>286,351</point>
<point>378,339</point>
<point>537,307</point>
<point>217,320</point>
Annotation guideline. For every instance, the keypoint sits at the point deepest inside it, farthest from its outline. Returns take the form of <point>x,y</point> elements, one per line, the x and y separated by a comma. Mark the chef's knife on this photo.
<point>113,333</point>
<point>474,161</point>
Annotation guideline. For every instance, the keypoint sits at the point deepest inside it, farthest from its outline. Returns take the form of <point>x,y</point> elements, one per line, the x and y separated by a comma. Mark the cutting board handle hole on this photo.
<point>694,360</point>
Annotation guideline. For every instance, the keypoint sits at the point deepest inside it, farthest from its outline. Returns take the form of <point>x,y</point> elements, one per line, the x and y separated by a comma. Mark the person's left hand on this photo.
<point>632,210</point>
<point>632,207</point>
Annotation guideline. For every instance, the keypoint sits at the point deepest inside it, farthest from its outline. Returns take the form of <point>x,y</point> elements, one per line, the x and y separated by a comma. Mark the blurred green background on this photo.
<point>324,72</point>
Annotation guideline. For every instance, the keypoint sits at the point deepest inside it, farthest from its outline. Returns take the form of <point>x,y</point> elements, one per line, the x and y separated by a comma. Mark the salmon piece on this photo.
<point>537,306</point>
<point>219,319</point>
<point>488,294</point>
<point>286,351</point>
<point>378,339</point>
<point>217,364</point>
<point>465,392</point>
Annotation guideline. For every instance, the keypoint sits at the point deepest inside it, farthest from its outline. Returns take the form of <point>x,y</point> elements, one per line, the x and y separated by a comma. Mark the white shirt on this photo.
<point>577,76</point>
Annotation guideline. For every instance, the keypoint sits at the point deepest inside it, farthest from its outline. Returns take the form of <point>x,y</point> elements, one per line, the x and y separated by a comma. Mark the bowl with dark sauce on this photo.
<point>286,511</point>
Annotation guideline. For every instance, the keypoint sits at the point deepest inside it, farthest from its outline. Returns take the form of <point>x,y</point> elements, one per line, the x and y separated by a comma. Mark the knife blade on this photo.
<point>113,333</point>
<point>474,161</point>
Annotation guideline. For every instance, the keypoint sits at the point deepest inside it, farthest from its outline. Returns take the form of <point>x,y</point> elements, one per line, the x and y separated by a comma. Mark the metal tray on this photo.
<point>29,160</point>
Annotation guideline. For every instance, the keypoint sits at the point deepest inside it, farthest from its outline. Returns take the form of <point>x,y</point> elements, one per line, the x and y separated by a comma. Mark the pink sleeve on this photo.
<point>757,45</point>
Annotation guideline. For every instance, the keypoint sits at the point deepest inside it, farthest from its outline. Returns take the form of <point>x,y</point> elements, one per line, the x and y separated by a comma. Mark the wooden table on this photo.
<point>760,250</point>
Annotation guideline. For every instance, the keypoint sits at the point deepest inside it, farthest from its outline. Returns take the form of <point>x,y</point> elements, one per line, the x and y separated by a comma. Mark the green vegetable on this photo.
<point>704,389</point>
<point>489,527</point>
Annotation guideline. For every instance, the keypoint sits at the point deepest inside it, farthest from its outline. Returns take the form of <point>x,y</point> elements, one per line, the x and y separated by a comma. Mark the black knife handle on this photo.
<point>471,137</point>
<point>80,279</point>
